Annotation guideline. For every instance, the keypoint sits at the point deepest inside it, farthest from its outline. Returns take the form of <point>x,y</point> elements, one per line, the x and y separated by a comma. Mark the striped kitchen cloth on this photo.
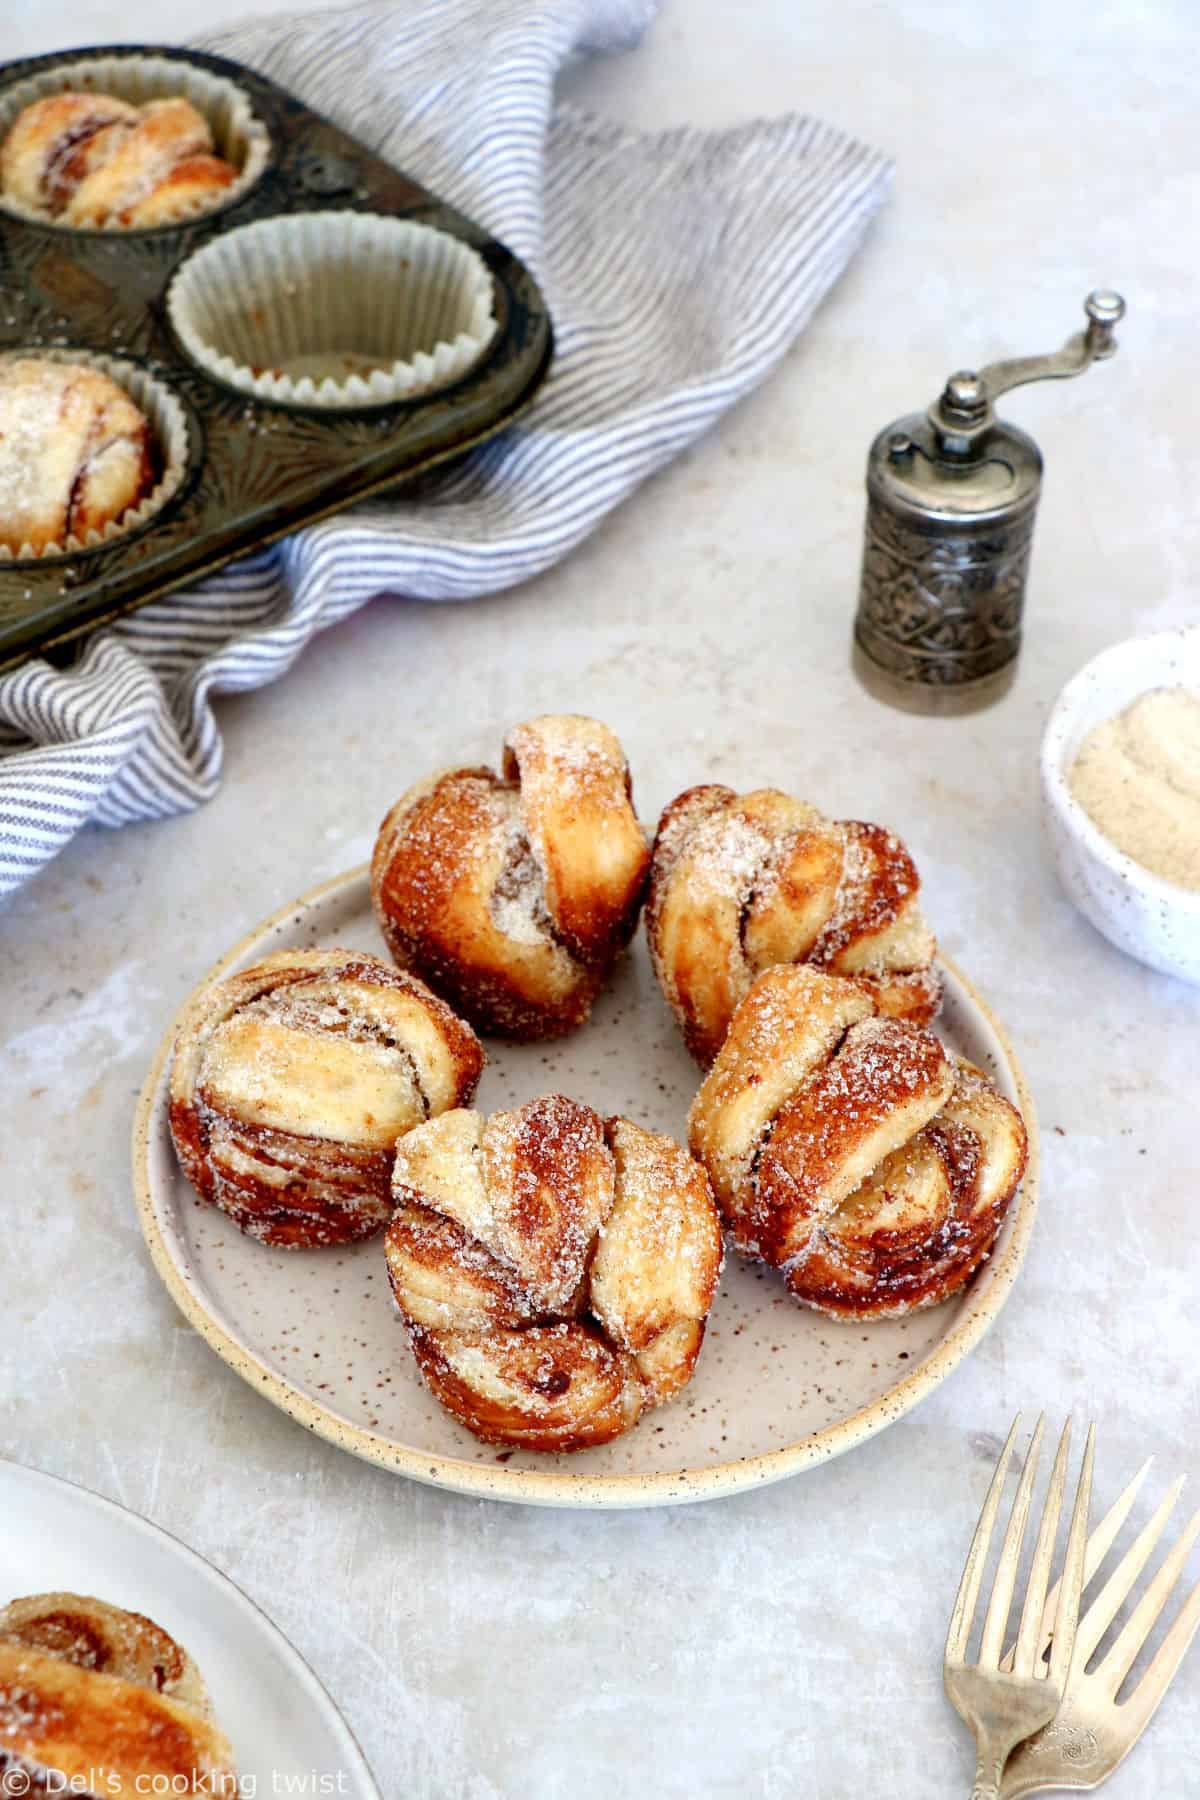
<point>678,267</point>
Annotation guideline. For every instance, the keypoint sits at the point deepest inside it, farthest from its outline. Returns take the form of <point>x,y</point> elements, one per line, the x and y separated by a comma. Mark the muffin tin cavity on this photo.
<point>239,137</point>
<point>439,334</point>
<point>334,309</point>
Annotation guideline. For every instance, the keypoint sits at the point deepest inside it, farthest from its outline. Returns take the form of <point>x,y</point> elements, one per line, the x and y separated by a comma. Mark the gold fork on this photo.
<point>1091,1733</point>
<point>1003,1706</point>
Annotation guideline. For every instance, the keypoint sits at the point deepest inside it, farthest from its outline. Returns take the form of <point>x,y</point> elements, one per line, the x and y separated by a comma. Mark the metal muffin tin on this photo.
<point>256,470</point>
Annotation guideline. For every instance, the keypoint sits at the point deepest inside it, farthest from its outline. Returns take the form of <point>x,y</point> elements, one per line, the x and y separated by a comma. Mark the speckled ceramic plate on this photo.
<point>287,1735</point>
<point>777,1389</point>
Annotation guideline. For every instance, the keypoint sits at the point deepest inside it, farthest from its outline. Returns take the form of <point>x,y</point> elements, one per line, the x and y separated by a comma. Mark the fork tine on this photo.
<point>1138,1626</point>
<point>1066,1617</point>
<point>1028,1638</point>
<point>1109,1528</point>
<point>996,1622</point>
<point>1099,1544</point>
<point>1142,1704</point>
<point>1104,1608</point>
<point>961,1619</point>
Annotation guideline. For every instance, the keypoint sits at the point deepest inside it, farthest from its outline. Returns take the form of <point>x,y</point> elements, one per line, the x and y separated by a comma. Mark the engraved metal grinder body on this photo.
<point>951,500</point>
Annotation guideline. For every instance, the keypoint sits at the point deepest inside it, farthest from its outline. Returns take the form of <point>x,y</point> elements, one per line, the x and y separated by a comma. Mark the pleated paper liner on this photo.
<point>169,429</point>
<point>238,136</point>
<point>334,309</point>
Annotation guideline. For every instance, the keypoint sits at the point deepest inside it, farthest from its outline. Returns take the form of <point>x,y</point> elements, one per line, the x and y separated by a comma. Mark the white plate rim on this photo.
<point>228,1589</point>
<point>986,1296</point>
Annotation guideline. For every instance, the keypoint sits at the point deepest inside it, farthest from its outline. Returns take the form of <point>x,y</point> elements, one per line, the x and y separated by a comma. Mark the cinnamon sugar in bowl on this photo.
<point>1144,914</point>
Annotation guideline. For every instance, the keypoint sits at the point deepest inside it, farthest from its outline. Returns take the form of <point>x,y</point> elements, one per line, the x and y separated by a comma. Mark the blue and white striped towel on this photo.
<point>678,266</point>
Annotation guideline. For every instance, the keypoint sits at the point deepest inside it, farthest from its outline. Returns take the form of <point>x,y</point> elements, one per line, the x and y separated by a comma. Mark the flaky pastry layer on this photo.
<point>852,1151</point>
<point>554,1270</point>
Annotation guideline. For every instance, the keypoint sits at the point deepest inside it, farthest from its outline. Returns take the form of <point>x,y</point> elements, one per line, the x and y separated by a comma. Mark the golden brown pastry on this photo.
<point>292,1081</point>
<point>554,1270</point>
<point>99,1702</point>
<point>740,882</point>
<point>94,1635</point>
<point>513,894</point>
<point>852,1151</point>
<point>75,453</point>
<point>91,159</point>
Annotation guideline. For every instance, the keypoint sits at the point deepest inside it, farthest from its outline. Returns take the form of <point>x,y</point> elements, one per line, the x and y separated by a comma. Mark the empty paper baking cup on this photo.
<point>238,136</point>
<point>168,427</point>
<point>340,309</point>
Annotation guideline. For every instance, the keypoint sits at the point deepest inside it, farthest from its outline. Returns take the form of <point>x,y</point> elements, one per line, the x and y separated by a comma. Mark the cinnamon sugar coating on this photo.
<point>512,894</point>
<point>90,1694</point>
<point>91,1634</point>
<point>740,883</point>
<point>76,453</point>
<point>554,1270</point>
<point>852,1151</point>
<point>292,1081</point>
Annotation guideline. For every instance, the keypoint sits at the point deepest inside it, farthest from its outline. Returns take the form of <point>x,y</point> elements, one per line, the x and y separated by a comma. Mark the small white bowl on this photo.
<point>1150,918</point>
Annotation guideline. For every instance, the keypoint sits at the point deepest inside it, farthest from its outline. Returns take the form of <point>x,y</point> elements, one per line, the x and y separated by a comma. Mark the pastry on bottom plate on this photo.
<point>741,882</point>
<point>513,894</point>
<point>555,1270</point>
<point>97,1701</point>
<point>76,453</point>
<point>851,1151</point>
<point>292,1081</point>
<point>91,159</point>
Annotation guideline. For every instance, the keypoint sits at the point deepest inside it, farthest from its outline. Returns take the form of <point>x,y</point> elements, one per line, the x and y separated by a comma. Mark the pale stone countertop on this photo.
<point>786,1643</point>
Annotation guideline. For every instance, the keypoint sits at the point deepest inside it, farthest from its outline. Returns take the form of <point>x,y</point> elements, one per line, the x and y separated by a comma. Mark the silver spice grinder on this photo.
<point>951,499</point>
